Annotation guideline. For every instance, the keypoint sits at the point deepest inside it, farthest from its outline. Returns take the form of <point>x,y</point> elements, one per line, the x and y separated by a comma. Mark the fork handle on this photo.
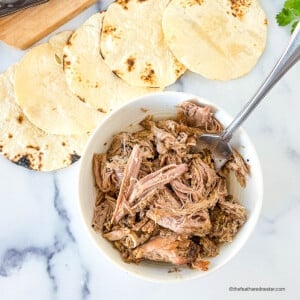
<point>289,57</point>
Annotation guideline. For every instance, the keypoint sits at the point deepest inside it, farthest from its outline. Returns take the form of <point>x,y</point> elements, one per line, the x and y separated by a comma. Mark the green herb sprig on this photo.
<point>290,14</point>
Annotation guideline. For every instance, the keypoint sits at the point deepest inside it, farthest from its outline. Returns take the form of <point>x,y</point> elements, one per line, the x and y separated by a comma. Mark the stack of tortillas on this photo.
<point>52,100</point>
<point>44,122</point>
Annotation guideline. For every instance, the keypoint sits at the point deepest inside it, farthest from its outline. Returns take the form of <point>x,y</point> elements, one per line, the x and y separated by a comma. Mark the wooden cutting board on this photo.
<point>22,29</point>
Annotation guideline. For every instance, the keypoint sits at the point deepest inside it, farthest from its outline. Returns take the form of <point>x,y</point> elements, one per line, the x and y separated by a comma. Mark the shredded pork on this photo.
<point>156,200</point>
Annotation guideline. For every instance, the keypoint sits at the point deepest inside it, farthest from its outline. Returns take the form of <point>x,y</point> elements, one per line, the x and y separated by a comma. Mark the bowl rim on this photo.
<point>254,216</point>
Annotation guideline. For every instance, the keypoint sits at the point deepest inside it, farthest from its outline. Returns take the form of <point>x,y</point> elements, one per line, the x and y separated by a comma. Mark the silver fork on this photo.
<point>219,143</point>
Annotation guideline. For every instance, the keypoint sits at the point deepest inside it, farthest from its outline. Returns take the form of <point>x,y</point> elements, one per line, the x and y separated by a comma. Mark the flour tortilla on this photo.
<point>43,94</point>
<point>133,45</point>
<point>216,39</point>
<point>27,145</point>
<point>87,74</point>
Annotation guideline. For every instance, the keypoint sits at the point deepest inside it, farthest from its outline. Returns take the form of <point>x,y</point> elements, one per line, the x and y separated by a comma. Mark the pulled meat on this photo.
<point>168,249</point>
<point>156,200</point>
<point>197,223</point>
<point>198,116</point>
<point>131,172</point>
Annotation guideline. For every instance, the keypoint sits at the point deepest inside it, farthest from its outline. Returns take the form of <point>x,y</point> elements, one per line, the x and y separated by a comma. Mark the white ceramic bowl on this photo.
<point>126,118</point>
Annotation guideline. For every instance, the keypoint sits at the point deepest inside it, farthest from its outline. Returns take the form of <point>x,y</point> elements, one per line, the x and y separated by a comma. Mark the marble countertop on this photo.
<point>45,253</point>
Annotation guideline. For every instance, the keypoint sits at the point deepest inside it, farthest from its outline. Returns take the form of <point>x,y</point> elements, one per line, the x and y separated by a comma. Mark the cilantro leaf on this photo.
<point>285,17</point>
<point>294,26</point>
<point>294,5</point>
<point>290,14</point>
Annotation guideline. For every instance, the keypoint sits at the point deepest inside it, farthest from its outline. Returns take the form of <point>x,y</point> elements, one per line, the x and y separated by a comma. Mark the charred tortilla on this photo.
<point>218,39</point>
<point>133,44</point>
<point>24,143</point>
<point>87,74</point>
<point>43,94</point>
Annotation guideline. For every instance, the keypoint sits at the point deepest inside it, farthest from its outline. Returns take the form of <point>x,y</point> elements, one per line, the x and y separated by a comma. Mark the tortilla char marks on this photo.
<point>111,30</point>
<point>266,21</point>
<point>148,75</point>
<point>89,83</point>
<point>37,148</point>
<point>118,73</point>
<point>74,157</point>
<point>238,7</point>
<point>101,110</point>
<point>177,72</point>
<point>58,59</point>
<point>70,39</point>
<point>40,156</point>
<point>130,63</point>
<point>123,3</point>
<point>1,148</point>
<point>66,62</point>
<point>10,136</point>
<point>20,119</point>
<point>82,99</point>
<point>24,160</point>
<point>191,3</point>
<point>179,68</point>
<point>69,42</point>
